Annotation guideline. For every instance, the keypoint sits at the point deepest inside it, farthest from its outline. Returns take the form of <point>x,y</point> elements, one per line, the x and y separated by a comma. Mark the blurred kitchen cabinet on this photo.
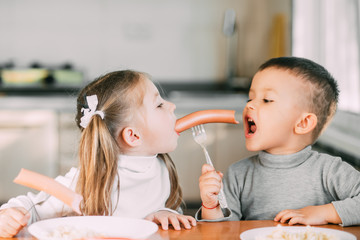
<point>69,136</point>
<point>225,144</point>
<point>28,139</point>
<point>230,146</point>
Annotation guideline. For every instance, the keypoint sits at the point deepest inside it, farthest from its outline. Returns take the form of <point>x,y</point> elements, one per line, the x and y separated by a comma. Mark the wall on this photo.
<point>171,40</point>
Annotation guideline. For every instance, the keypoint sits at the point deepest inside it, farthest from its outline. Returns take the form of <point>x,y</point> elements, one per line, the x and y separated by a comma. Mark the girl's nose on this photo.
<point>172,106</point>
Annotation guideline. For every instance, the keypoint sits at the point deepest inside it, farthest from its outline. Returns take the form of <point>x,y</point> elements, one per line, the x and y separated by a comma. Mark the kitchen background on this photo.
<point>172,40</point>
<point>203,54</point>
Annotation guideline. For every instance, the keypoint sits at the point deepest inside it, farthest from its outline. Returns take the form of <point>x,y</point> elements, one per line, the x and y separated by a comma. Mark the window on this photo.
<point>327,32</point>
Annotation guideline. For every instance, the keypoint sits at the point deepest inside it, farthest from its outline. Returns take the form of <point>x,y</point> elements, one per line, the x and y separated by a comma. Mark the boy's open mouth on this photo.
<point>251,125</point>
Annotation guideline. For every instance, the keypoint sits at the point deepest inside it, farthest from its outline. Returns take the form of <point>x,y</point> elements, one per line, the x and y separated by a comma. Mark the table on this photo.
<point>215,230</point>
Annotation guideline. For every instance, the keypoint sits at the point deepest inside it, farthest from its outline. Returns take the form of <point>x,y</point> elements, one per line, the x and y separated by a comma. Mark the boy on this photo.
<point>291,101</point>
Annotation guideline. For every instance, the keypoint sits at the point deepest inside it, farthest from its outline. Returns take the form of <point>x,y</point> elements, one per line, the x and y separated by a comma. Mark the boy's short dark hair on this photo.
<point>323,91</point>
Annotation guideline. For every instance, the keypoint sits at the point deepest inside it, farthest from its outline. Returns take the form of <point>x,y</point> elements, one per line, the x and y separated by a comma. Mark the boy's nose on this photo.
<point>250,106</point>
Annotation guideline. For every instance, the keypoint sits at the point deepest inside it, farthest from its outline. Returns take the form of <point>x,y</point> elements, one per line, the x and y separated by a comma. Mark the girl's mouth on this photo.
<point>251,126</point>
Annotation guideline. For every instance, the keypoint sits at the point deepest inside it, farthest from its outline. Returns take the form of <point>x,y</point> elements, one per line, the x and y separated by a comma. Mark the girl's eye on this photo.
<point>160,105</point>
<point>267,100</point>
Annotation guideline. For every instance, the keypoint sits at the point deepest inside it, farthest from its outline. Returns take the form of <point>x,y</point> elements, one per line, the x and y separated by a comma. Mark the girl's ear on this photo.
<point>131,137</point>
<point>306,123</point>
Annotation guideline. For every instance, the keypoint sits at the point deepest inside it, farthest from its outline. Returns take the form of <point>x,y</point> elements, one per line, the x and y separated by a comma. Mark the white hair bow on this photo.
<point>92,102</point>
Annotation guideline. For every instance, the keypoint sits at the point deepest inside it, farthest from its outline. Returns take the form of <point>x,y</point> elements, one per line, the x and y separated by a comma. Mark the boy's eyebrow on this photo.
<point>270,90</point>
<point>250,91</point>
<point>265,90</point>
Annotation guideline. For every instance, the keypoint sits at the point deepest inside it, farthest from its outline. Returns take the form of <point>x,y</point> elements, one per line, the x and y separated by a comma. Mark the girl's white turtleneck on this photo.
<point>144,186</point>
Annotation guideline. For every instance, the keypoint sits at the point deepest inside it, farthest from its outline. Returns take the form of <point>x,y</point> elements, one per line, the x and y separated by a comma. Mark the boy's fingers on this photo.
<point>210,175</point>
<point>207,168</point>
<point>288,216</point>
<point>280,215</point>
<point>210,180</point>
<point>296,220</point>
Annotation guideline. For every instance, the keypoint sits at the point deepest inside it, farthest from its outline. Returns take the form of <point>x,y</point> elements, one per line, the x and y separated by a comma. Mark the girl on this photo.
<point>126,131</point>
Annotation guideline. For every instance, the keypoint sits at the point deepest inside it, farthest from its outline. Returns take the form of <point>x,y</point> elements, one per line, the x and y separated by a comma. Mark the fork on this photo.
<point>199,136</point>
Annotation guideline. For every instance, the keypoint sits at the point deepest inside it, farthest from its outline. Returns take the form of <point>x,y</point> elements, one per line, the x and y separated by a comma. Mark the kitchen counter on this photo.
<point>39,91</point>
<point>190,101</point>
<point>56,103</point>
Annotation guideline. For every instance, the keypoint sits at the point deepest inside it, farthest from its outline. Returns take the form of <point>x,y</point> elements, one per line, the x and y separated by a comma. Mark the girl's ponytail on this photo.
<point>98,153</point>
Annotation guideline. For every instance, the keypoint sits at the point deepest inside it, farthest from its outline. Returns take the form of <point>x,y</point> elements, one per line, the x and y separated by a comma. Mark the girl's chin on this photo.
<point>172,148</point>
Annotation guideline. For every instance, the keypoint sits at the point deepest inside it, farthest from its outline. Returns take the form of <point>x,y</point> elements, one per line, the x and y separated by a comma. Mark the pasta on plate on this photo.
<point>280,234</point>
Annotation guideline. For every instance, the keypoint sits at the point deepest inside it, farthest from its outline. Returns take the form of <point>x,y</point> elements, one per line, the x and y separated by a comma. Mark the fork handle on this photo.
<point>207,157</point>
<point>221,195</point>
<point>222,199</point>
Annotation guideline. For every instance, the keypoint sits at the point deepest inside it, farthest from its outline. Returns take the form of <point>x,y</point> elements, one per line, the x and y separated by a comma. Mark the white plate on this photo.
<point>107,226</point>
<point>251,234</point>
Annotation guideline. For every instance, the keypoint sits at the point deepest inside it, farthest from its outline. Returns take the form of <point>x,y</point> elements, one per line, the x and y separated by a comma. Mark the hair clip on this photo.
<point>88,113</point>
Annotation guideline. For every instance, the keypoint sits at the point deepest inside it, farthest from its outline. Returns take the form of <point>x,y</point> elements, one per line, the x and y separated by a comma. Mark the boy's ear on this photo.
<point>306,123</point>
<point>131,137</point>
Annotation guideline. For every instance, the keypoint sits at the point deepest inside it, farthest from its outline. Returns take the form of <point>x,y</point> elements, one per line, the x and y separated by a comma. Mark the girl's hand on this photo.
<point>12,220</point>
<point>210,185</point>
<point>310,215</point>
<point>165,218</point>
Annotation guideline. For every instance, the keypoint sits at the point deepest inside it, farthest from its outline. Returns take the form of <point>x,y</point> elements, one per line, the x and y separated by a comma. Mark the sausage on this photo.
<point>205,116</point>
<point>44,183</point>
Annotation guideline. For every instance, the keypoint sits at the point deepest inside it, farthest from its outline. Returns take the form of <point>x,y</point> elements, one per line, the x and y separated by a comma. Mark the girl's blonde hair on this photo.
<point>118,93</point>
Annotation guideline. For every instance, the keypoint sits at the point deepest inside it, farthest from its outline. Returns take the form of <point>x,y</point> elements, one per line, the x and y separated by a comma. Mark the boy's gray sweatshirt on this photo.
<point>261,186</point>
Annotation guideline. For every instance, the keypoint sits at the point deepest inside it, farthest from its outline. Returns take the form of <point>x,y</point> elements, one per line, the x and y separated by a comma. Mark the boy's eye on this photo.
<point>249,100</point>
<point>267,100</point>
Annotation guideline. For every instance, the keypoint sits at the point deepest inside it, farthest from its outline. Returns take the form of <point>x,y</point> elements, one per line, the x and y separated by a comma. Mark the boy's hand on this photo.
<point>210,184</point>
<point>12,220</point>
<point>165,218</point>
<point>310,215</point>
